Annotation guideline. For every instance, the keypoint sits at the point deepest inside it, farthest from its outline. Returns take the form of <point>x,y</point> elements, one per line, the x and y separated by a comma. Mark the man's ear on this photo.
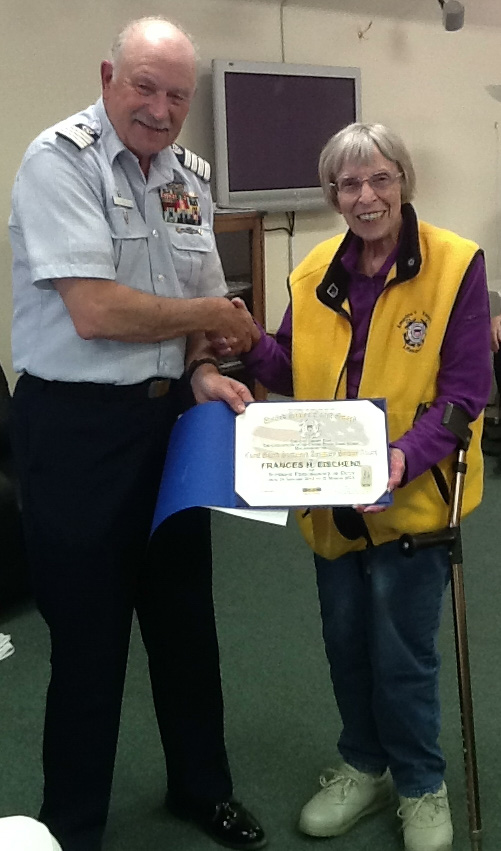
<point>106,74</point>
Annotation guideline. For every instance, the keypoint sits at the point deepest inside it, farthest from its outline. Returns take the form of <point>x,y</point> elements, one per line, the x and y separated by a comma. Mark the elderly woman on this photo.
<point>394,308</point>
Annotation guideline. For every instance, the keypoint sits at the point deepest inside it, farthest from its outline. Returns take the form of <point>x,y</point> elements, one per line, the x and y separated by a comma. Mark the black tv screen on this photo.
<point>271,123</point>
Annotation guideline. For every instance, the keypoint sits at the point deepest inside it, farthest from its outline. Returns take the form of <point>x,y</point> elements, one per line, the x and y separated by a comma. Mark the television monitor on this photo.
<point>271,121</point>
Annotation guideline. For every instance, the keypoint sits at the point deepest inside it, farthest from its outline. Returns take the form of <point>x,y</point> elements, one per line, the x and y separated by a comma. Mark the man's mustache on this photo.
<point>150,121</point>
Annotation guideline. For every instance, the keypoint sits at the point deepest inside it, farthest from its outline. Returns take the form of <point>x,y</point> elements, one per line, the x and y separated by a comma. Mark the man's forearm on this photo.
<point>103,309</point>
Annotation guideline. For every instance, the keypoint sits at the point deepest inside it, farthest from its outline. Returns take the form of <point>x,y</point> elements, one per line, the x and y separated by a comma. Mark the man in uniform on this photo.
<point>112,301</point>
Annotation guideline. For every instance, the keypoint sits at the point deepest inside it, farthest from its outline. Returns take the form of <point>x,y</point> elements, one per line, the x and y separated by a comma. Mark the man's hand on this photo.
<point>225,346</point>
<point>232,327</point>
<point>495,333</point>
<point>397,470</point>
<point>210,386</point>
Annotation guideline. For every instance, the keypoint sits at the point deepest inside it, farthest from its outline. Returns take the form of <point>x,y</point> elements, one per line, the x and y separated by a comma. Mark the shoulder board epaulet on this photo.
<point>193,162</point>
<point>80,135</point>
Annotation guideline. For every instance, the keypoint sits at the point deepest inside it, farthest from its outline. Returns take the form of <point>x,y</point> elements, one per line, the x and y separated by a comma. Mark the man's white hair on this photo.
<point>139,24</point>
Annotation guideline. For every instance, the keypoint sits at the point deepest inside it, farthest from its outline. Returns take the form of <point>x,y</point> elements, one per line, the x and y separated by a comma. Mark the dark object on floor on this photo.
<point>491,438</point>
<point>227,823</point>
<point>492,429</point>
<point>491,447</point>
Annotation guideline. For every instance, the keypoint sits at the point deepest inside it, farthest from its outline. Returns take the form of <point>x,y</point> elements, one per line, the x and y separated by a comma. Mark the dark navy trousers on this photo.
<point>90,459</point>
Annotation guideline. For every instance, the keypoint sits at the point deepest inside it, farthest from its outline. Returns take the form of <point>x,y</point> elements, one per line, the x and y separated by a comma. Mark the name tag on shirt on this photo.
<point>122,202</point>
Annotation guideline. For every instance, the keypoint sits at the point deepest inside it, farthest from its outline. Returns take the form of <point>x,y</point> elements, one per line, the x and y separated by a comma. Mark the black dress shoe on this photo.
<point>227,822</point>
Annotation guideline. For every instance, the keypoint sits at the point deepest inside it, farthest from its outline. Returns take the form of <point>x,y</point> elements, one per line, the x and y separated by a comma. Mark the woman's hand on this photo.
<point>397,470</point>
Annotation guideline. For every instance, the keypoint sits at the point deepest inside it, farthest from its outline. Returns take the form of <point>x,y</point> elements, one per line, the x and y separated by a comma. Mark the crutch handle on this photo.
<point>410,544</point>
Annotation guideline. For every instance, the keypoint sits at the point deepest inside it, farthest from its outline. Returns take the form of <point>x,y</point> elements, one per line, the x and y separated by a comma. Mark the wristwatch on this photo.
<point>196,363</point>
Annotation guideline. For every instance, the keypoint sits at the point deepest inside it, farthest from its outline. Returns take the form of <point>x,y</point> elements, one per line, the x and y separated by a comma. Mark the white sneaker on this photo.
<point>346,796</point>
<point>426,821</point>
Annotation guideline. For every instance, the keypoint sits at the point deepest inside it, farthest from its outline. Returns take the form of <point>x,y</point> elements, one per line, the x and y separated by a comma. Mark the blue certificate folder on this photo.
<point>200,464</point>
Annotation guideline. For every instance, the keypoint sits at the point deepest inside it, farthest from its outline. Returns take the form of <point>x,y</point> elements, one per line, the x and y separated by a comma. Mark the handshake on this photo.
<point>234,328</point>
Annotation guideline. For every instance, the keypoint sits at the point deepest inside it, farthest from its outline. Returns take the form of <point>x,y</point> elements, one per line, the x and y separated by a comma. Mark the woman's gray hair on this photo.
<point>355,144</point>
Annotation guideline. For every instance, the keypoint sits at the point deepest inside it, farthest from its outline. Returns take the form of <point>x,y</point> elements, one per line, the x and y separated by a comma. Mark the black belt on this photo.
<point>152,388</point>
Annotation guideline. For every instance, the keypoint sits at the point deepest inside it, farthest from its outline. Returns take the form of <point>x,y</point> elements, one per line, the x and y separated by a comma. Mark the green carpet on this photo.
<point>281,720</point>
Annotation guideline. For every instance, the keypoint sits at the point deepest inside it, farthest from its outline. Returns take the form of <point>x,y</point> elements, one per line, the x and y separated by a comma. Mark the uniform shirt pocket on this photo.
<point>191,249</point>
<point>129,234</point>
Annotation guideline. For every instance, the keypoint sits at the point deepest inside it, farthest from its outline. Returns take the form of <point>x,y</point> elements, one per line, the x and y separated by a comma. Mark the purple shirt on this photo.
<point>465,373</point>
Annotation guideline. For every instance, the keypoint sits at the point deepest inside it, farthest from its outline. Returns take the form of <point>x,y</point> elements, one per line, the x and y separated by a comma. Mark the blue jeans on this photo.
<point>381,614</point>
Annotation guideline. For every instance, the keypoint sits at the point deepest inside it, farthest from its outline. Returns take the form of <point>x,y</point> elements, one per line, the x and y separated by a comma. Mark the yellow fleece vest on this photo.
<point>401,364</point>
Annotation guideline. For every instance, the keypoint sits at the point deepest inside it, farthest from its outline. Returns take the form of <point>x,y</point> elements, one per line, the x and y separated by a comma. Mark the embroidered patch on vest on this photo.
<point>414,331</point>
<point>81,135</point>
<point>193,162</point>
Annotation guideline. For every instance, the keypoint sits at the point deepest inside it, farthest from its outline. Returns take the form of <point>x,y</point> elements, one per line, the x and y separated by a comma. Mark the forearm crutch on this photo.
<point>456,421</point>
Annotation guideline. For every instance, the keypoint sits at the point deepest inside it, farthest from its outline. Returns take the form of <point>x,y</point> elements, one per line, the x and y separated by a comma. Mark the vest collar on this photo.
<point>333,289</point>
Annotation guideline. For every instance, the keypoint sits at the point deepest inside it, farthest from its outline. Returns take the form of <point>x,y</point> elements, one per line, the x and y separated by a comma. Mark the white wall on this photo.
<point>427,84</point>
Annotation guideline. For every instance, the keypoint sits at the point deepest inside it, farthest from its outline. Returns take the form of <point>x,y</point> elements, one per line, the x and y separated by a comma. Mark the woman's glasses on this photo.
<point>380,183</point>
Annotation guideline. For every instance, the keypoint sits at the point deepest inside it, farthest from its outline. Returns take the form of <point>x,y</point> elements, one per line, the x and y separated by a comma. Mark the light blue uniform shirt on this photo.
<point>69,221</point>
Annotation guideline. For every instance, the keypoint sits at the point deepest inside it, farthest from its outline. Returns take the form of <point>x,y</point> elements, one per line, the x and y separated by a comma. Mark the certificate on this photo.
<point>276,455</point>
<point>301,454</point>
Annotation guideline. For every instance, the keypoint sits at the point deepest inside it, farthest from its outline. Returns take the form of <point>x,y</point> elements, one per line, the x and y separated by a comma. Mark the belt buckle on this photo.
<point>158,387</point>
